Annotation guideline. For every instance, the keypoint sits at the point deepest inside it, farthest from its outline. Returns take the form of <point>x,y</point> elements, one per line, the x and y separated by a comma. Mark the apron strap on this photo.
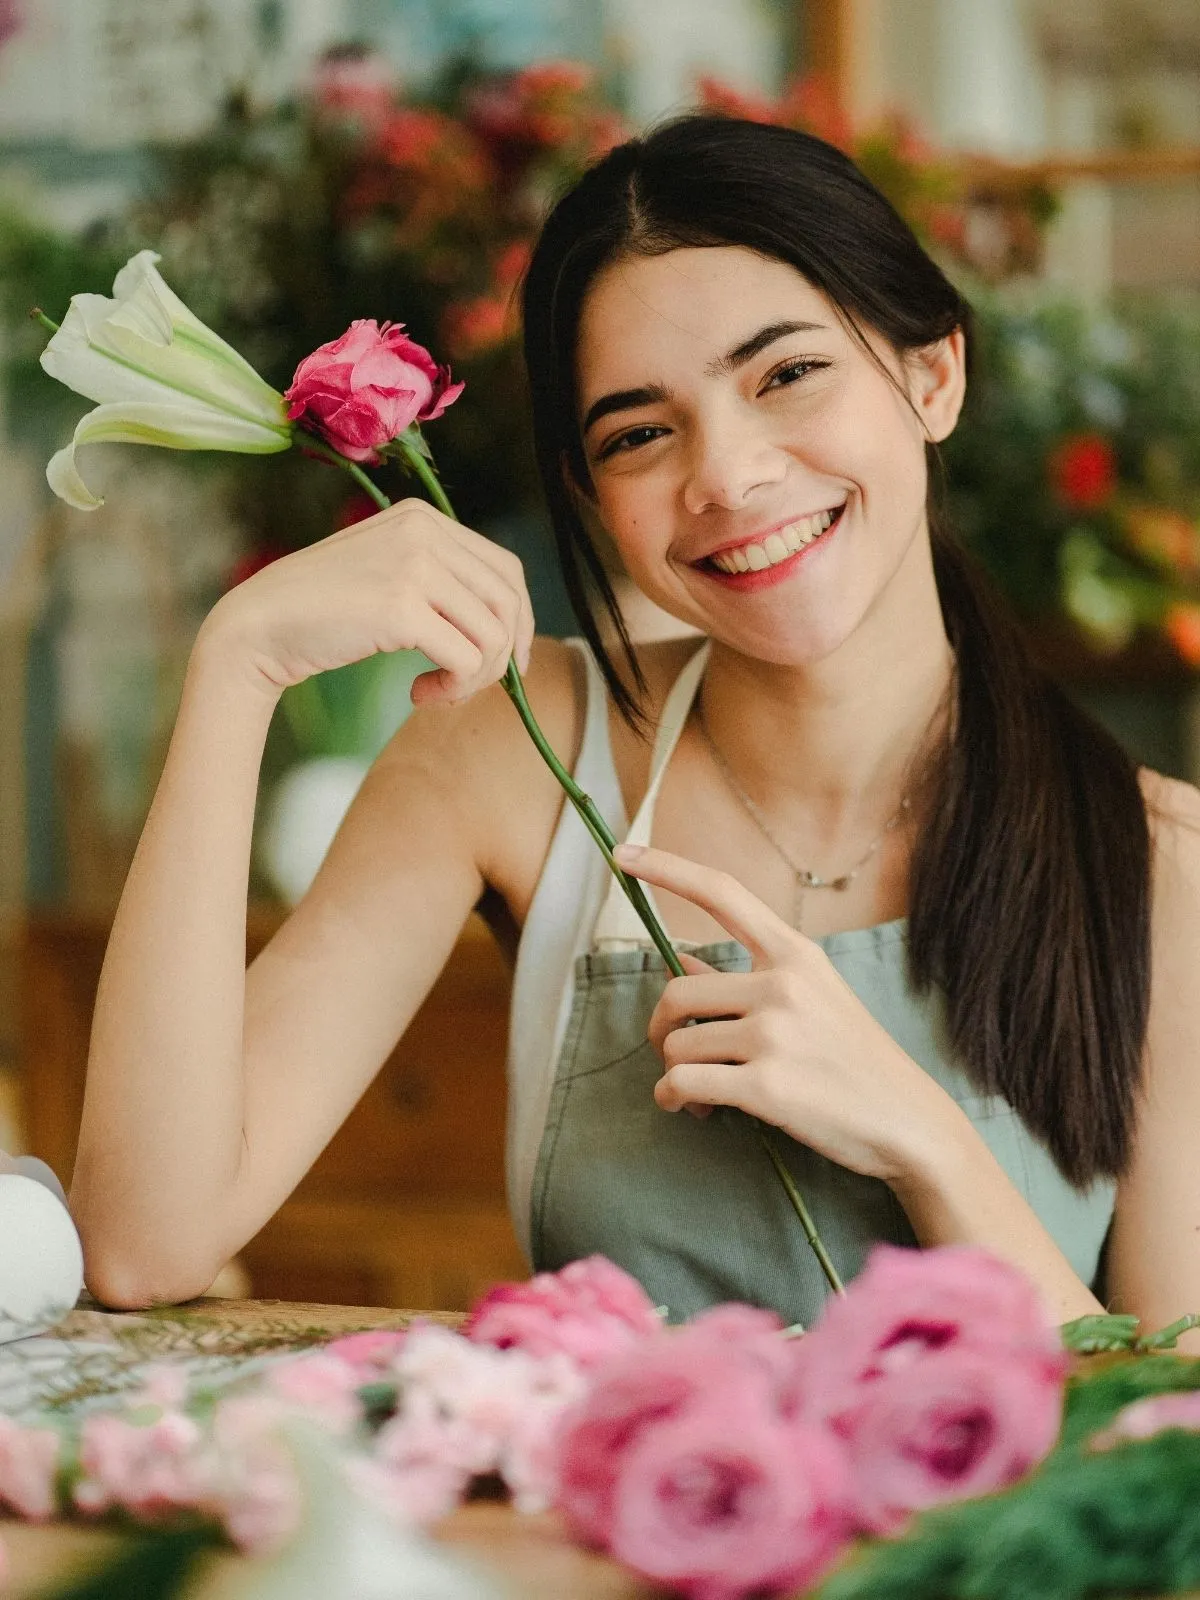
<point>618,927</point>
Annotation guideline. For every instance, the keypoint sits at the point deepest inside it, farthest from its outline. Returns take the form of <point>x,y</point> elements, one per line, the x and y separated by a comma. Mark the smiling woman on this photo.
<point>741,363</point>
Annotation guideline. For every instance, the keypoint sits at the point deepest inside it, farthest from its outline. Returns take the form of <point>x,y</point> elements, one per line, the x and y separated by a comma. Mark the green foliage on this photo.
<point>156,1565</point>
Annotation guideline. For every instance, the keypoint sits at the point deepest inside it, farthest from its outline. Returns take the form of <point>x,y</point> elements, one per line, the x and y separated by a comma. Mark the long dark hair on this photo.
<point>1030,883</point>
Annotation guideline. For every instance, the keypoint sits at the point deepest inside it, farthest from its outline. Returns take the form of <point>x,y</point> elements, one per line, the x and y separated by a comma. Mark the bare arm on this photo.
<point>1154,1251</point>
<point>209,1091</point>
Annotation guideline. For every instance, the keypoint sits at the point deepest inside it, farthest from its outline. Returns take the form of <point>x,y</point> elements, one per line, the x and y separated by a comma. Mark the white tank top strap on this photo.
<point>618,927</point>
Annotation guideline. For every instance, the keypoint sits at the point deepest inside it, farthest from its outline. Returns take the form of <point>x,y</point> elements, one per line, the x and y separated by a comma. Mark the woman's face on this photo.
<point>762,479</point>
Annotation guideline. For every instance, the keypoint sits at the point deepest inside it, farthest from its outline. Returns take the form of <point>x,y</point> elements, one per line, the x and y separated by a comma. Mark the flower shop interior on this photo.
<point>375,1400</point>
<point>296,162</point>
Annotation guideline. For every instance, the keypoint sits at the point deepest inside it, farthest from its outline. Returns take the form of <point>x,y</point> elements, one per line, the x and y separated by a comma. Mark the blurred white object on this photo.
<point>304,813</point>
<point>346,1549</point>
<point>41,1261</point>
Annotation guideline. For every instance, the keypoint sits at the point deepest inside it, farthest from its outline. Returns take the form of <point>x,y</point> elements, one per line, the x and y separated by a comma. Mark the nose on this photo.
<point>729,460</point>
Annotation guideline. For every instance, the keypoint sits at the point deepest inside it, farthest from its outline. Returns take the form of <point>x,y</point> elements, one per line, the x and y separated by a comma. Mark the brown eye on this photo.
<point>632,440</point>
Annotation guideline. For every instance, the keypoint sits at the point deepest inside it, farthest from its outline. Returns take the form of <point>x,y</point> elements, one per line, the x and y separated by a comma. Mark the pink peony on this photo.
<point>909,1305</point>
<point>28,1465</point>
<point>364,389</point>
<point>589,1310</point>
<point>655,1381</point>
<point>1144,1418</point>
<point>950,1429</point>
<point>721,1502</point>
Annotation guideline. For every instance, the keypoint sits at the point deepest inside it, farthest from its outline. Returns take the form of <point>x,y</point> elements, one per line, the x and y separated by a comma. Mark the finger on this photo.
<point>739,912</point>
<point>708,995</point>
<point>458,659</point>
<point>701,1083</point>
<point>460,605</point>
<point>693,964</point>
<point>727,1040</point>
<point>510,570</point>
<point>507,600</point>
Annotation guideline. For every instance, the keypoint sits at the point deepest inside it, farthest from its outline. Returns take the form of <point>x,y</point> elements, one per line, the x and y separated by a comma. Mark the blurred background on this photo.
<point>299,163</point>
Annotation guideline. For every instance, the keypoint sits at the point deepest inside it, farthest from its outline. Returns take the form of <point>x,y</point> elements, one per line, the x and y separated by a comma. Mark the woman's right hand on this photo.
<point>408,578</point>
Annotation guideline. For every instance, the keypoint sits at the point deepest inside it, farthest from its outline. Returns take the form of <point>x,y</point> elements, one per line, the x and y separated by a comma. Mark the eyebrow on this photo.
<point>655,393</point>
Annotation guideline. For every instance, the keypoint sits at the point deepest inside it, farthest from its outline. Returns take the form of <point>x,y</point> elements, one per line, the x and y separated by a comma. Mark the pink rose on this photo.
<point>658,1380</point>
<point>907,1306</point>
<point>721,1502</point>
<point>589,1310</point>
<point>1144,1418</point>
<point>950,1429</point>
<point>28,1464</point>
<point>364,389</point>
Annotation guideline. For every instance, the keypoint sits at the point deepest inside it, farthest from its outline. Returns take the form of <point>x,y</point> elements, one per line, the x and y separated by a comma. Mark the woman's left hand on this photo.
<point>788,1042</point>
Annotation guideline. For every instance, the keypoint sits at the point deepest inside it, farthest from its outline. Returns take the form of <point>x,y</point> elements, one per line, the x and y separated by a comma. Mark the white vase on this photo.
<point>303,813</point>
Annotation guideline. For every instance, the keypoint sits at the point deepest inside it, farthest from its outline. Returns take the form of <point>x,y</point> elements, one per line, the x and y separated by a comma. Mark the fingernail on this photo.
<point>626,855</point>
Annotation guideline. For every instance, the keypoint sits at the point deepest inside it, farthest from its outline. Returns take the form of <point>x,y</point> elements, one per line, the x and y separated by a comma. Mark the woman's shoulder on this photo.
<point>1173,816</point>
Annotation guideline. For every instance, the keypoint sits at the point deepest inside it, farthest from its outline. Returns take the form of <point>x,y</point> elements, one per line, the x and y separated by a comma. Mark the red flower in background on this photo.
<point>1083,471</point>
<point>1182,627</point>
<point>809,104</point>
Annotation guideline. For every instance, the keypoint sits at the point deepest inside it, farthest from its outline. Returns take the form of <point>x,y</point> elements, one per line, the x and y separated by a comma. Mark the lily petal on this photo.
<point>174,426</point>
<point>146,346</point>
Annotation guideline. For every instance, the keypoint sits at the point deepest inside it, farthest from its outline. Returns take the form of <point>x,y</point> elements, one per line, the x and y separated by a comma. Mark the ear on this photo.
<point>937,379</point>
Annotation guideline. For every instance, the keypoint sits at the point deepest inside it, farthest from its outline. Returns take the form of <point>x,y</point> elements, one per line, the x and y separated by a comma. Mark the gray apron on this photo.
<point>693,1208</point>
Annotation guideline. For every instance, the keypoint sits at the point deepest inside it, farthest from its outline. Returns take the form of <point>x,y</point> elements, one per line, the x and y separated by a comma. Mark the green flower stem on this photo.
<point>583,803</point>
<point>802,1211</point>
<point>40,317</point>
<point>318,447</point>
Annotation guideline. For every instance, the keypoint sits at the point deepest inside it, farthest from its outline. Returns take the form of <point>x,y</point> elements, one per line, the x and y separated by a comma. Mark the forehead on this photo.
<point>683,308</point>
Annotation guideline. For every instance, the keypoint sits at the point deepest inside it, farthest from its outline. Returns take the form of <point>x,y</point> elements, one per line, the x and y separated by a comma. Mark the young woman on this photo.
<point>918,882</point>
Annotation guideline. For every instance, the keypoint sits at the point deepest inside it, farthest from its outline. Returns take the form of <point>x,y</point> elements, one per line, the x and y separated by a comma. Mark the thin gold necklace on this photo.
<point>805,879</point>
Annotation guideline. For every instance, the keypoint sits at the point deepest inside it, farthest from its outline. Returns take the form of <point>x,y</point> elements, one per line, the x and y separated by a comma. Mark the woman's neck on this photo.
<point>831,748</point>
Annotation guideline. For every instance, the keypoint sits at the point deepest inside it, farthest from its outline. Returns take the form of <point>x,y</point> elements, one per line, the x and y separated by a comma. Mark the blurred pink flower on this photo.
<point>910,1305</point>
<point>720,1502</point>
<point>148,1469</point>
<point>1144,1418</point>
<point>253,1485</point>
<point>588,1310</point>
<point>323,1386</point>
<point>962,1425</point>
<point>354,84</point>
<point>655,1381</point>
<point>28,1464</point>
<point>362,390</point>
<point>377,1348</point>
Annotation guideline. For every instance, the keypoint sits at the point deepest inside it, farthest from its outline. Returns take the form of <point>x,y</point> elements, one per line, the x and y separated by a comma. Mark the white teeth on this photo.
<point>776,547</point>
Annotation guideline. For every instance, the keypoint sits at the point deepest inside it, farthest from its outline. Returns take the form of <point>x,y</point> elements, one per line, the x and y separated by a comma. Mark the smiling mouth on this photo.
<point>777,547</point>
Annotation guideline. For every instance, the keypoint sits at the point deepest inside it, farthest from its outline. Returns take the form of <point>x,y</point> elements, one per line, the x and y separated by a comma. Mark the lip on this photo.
<point>763,533</point>
<point>751,582</point>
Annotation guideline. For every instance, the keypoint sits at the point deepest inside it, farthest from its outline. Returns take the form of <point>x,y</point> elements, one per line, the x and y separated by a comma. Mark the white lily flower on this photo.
<point>159,375</point>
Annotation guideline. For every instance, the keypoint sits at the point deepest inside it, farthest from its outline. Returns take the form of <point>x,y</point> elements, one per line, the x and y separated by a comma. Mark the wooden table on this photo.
<point>531,1553</point>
